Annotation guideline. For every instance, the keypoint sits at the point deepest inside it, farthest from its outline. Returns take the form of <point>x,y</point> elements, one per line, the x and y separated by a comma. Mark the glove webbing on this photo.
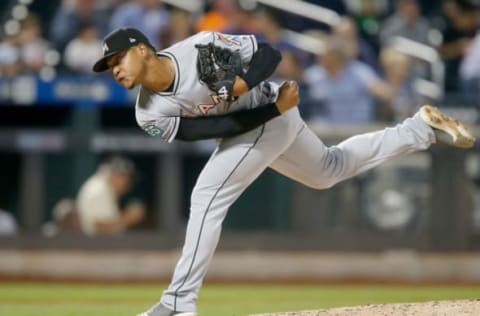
<point>207,71</point>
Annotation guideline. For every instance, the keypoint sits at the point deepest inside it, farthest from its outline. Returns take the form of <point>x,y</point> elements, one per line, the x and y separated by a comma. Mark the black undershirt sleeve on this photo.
<point>263,64</point>
<point>228,125</point>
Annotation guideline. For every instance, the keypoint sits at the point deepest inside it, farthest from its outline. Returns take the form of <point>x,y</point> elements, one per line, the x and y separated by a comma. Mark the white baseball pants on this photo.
<point>287,145</point>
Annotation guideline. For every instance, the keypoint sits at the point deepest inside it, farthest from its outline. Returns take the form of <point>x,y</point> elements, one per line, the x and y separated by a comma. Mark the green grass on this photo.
<point>24,299</point>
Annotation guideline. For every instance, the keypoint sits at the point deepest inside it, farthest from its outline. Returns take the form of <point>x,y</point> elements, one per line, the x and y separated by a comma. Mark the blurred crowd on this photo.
<point>361,72</point>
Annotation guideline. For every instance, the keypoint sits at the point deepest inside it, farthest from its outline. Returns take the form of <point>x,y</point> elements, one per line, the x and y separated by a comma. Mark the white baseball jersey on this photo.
<point>284,144</point>
<point>159,113</point>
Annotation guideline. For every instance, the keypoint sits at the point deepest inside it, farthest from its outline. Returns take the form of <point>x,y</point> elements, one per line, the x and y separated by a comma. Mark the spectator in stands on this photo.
<point>470,72</point>
<point>407,22</point>
<point>461,27</point>
<point>33,47</point>
<point>8,224</point>
<point>470,64</point>
<point>180,26</point>
<point>82,51</point>
<point>70,17</point>
<point>347,31</point>
<point>149,16</point>
<point>242,22</point>
<point>369,15</point>
<point>397,68</point>
<point>270,30</point>
<point>215,17</point>
<point>10,61</point>
<point>226,16</point>
<point>343,90</point>
<point>98,202</point>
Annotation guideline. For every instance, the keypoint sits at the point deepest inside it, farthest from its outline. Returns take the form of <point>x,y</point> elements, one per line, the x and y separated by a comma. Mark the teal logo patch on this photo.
<point>153,130</point>
<point>229,40</point>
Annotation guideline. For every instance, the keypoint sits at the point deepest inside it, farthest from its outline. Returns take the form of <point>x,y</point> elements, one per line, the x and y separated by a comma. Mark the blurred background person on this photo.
<point>10,61</point>
<point>407,22</point>
<point>397,69</point>
<point>369,16</point>
<point>149,16</point>
<point>8,224</point>
<point>470,72</point>
<point>344,90</point>
<point>470,63</point>
<point>270,30</point>
<point>179,27</point>
<point>459,29</point>
<point>71,15</point>
<point>218,16</point>
<point>347,31</point>
<point>33,47</point>
<point>98,202</point>
<point>83,50</point>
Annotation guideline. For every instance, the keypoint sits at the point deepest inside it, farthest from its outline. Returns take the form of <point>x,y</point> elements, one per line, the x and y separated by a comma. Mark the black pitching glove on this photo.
<point>217,68</point>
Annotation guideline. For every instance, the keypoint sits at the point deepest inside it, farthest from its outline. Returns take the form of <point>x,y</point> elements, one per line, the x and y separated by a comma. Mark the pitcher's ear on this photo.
<point>145,50</point>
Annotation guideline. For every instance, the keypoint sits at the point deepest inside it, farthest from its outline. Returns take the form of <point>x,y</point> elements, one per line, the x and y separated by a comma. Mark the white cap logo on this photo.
<point>132,40</point>
<point>105,48</point>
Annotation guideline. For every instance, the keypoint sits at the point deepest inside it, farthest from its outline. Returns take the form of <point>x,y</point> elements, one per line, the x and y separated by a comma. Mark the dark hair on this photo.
<point>119,164</point>
<point>85,25</point>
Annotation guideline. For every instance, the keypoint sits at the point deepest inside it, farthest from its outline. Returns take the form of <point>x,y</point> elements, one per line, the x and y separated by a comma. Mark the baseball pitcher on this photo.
<point>213,85</point>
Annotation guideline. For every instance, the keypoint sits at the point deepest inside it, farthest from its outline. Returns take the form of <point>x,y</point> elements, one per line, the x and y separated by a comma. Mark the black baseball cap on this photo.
<point>119,40</point>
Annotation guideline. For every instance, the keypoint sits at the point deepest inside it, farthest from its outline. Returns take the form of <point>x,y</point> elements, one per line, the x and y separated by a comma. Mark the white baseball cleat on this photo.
<point>447,129</point>
<point>160,310</point>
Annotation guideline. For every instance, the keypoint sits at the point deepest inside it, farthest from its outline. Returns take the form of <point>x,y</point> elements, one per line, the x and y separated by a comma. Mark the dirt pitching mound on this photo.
<point>435,308</point>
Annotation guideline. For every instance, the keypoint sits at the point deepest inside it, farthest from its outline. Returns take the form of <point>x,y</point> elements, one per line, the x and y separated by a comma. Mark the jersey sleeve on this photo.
<point>164,128</point>
<point>246,45</point>
<point>153,121</point>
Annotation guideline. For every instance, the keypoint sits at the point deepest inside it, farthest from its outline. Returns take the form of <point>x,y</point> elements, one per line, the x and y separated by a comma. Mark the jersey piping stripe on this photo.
<point>177,73</point>
<point>175,130</point>
<point>254,46</point>
<point>213,38</point>
<point>205,216</point>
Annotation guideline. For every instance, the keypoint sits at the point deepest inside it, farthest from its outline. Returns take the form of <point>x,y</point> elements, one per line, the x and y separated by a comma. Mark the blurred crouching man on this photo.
<point>98,201</point>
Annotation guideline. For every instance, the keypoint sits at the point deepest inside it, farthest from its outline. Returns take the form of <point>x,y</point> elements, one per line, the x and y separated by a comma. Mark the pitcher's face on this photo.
<point>127,67</point>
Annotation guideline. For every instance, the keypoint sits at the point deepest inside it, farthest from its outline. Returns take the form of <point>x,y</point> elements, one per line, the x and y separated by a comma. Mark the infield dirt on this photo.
<point>433,308</point>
